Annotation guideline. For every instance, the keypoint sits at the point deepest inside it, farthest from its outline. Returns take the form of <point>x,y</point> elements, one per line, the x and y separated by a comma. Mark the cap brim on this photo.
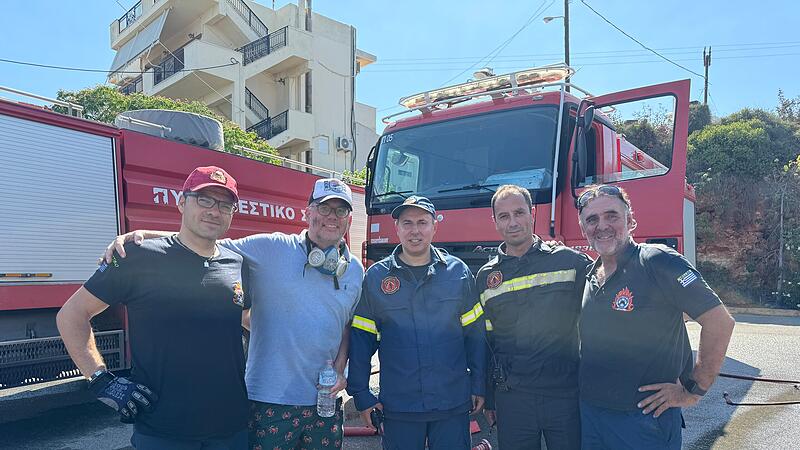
<point>399,210</point>
<point>328,197</point>
<point>205,185</point>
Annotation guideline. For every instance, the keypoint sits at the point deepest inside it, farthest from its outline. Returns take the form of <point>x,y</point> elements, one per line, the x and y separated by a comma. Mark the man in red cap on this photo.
<point>185,301</point>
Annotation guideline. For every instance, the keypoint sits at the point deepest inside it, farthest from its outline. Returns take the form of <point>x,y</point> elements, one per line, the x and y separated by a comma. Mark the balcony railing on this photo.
<point>168,67</point>
<point>249,16</point>
<point>271,127</point>
<point>255,105</point>
<point>264,46</point>
<point>134,86</point>
<point>129,17</point>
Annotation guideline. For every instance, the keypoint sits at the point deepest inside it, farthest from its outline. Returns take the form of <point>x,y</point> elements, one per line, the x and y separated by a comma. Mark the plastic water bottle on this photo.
<point>326,405</point>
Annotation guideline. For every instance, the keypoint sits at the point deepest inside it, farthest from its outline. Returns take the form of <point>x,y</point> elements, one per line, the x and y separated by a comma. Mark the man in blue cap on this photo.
<point>422,302</point>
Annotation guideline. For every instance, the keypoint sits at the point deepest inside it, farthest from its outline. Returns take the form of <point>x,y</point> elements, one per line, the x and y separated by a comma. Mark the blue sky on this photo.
<point>421,44</point>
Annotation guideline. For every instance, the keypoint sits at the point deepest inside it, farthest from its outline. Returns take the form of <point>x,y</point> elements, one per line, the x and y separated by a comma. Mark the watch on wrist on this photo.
<point>97,374</point>
<point>692,387</point>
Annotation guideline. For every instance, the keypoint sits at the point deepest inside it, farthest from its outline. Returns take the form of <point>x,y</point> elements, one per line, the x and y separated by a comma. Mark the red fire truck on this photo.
<point>459,143</point>
<point>69,186</point>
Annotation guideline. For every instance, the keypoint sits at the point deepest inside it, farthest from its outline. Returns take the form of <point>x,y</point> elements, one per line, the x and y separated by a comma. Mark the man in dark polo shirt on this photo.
<point>185,300</point>
<point>531,296</point>
<point>634,345</point>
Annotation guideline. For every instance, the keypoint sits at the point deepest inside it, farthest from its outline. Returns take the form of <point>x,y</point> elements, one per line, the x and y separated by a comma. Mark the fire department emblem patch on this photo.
<point>238,294</point>
<point>218,176</point>
<point>623,301</point>
<point>494,279</point>
<point>390,285</point>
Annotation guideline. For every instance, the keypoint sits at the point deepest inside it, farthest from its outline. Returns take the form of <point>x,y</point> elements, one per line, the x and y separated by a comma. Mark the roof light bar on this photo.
<point>522,78</point>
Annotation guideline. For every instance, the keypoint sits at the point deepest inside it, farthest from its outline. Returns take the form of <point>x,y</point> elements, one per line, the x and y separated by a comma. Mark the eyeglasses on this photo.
<point>208,203</point>
<point>591,193</point>
<point>325,210</point>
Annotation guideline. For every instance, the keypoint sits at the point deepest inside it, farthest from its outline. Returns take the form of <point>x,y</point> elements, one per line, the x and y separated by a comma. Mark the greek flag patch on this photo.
<point>687,278</point>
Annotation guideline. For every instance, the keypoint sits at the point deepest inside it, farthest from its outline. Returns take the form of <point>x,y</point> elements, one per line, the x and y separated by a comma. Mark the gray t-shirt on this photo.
<point>297,317</point>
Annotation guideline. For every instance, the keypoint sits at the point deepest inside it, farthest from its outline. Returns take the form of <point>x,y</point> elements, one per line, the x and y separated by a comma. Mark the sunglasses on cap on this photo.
<point>606,189</point>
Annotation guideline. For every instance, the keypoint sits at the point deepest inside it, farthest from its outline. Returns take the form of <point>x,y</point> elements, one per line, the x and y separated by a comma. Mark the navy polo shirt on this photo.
<point>631,328</point>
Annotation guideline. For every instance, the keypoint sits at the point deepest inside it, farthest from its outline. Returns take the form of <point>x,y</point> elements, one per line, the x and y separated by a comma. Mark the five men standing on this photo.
<point>422,309</point>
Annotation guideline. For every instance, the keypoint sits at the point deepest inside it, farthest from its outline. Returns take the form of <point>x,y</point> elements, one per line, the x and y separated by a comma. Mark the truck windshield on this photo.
<point>467,157</point>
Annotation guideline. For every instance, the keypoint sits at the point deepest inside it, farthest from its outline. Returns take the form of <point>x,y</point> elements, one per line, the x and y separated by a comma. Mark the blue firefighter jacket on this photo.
<point>429,332</point>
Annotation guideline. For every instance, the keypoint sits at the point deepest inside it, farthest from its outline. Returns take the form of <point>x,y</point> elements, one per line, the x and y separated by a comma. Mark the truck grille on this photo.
<point>36,360</point>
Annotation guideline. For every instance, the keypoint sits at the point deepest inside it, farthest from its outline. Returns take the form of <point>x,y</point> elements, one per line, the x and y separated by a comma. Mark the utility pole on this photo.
<point>706,63</point>
<point>780,250</point>
<point>566,37</point>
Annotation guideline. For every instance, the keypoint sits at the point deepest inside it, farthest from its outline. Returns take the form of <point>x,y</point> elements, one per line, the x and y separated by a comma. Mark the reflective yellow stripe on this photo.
<point>362,323</point>
<point>472,315</point>
<point>527,282</point>
<point>489,326</point>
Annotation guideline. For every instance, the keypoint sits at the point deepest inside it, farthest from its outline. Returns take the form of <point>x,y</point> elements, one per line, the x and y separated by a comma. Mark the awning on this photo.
<point>144,40</point>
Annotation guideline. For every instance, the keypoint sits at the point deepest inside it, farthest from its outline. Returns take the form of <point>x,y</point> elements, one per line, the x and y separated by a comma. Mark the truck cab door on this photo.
<point>639,143</point>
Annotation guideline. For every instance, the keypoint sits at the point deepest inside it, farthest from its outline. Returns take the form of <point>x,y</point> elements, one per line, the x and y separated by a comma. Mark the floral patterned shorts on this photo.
<point>285,427</point>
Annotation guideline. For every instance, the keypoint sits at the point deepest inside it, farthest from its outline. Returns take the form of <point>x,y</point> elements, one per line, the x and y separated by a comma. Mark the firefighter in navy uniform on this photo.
<point>422,302</point>
<point>531,296</point>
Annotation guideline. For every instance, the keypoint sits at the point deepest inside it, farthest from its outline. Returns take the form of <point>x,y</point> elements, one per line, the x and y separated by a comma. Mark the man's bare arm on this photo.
<point>715,334</point>
<point>137,236</point>
<point>341,362</point>
<point>246,319</point>
<point>74,324</point>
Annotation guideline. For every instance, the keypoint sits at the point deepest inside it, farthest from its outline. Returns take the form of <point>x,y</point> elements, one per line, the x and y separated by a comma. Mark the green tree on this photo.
<point>104,103</point>
<point>358,177</point>
<point>788,109</point>
<point>650,130</point>
<point>750,143</point>
<point>699,116</point>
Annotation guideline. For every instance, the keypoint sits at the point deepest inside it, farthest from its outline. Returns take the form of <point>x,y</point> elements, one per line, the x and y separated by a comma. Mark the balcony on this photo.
<point>286,129</point>
<point>170,77</point>
<point>134,86</point>
<point>249,16</point>
<point>255,105</point>
<point>127,19</point>
<point>168,67</point>
<point>277,52</point>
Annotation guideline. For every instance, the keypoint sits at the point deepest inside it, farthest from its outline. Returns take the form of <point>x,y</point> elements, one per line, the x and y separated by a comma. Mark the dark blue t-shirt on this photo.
<point>631,328</point>
<point>185,335</point>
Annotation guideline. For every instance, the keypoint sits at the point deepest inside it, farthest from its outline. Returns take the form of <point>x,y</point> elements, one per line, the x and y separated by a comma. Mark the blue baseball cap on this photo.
<point>415,201</point>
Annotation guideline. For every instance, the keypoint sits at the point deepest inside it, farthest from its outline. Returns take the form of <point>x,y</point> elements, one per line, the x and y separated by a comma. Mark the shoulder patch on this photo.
<point>104,265</point>
<point>238,294</point>
<point>687,278</point>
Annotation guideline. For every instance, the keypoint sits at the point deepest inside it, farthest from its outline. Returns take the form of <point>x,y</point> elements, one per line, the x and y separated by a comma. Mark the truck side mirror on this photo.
<point>371,159</point>
<point>579,155</point>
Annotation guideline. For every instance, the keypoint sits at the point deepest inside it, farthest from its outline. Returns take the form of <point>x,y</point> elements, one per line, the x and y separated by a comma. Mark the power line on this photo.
<point>588,55</point>
<point>601,63</point>
<point>81,69</point>
<point>541,9</point>
<point>638,42</point>
<point>688,49</point>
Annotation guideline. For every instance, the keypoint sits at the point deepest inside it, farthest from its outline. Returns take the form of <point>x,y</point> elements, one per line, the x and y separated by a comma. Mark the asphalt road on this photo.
<point>761,346</point>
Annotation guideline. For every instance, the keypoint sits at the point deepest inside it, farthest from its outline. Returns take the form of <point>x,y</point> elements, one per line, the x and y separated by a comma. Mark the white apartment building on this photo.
<point>287,74</point>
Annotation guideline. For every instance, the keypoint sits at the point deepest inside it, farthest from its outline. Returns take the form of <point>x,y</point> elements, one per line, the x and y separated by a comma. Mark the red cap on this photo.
<point>203,177</point>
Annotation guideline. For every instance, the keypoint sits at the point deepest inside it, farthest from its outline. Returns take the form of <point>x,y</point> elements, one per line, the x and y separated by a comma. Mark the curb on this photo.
<point>764,311</point>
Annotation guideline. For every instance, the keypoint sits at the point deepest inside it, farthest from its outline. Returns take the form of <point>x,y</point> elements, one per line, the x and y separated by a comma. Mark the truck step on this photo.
<point>32,361</point>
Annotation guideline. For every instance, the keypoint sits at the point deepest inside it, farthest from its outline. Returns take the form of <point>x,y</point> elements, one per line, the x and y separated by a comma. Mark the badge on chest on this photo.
<point>623,301</point>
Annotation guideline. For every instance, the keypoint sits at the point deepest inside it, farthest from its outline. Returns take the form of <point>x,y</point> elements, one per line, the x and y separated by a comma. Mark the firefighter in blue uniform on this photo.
<point>419,306</point>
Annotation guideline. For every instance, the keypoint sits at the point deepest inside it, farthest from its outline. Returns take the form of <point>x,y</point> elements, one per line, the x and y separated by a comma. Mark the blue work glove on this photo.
<point>126,397</point>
